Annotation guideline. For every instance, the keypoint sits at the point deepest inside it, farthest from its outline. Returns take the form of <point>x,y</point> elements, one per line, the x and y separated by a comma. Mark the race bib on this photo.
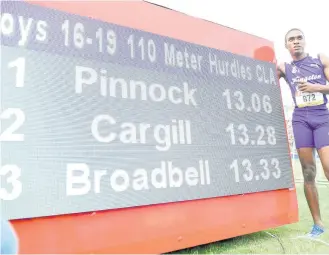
<point>304,99</point>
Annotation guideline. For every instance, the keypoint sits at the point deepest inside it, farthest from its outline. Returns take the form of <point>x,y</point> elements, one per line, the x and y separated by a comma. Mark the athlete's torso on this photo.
<point>308,69</point>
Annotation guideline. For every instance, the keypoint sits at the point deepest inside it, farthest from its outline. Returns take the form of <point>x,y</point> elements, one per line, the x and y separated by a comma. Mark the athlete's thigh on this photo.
<point>303,134</point>
<point>307,161</point>
<point>321,135</point>
<point>306,157</point>
<point>321,140</point>
<point>324,157</point>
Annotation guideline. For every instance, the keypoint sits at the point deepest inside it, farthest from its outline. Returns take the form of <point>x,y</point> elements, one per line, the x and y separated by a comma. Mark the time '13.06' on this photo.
<point>256,103</point>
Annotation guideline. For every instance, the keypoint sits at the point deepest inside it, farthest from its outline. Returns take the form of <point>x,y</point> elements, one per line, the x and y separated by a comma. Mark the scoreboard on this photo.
<point>98,116</point>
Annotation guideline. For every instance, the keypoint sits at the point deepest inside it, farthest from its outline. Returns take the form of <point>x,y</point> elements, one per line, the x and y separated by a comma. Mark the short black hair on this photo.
<point>293,29</point>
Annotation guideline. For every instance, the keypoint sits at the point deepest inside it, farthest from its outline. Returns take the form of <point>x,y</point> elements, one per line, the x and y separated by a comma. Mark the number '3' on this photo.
<point>13,179</point>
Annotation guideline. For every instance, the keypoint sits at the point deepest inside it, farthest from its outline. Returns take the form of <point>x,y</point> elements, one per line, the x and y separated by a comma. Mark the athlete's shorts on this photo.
<point>311,128</point>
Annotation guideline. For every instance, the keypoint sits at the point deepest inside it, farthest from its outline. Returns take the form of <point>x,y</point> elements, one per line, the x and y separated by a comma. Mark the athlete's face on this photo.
<point>295,42</point>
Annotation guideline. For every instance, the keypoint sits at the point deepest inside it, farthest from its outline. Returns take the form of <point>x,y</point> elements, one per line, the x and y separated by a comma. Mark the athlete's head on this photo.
<point>295,42</point>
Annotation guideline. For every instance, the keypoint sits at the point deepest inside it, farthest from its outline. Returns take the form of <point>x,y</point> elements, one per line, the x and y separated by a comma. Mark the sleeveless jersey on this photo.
<point>311,70</point>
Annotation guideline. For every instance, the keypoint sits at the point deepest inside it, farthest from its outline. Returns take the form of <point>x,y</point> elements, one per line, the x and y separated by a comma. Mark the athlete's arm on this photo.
<point>280,69</point>
<point>325,61</point>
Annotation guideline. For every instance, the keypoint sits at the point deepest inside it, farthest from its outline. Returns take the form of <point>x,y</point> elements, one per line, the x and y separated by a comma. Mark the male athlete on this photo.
<point>307,77</point>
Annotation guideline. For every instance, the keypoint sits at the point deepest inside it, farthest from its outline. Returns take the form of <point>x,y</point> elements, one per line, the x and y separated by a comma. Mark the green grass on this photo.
<point>283,242</point>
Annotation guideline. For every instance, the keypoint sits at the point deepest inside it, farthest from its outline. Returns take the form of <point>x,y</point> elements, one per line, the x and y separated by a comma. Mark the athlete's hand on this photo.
<point>307,87</point>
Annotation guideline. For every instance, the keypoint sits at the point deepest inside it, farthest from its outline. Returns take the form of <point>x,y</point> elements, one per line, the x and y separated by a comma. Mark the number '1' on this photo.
<point>19,63</point>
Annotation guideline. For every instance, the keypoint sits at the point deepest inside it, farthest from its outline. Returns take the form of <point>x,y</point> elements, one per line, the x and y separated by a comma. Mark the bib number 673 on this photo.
<point>13,173</point>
